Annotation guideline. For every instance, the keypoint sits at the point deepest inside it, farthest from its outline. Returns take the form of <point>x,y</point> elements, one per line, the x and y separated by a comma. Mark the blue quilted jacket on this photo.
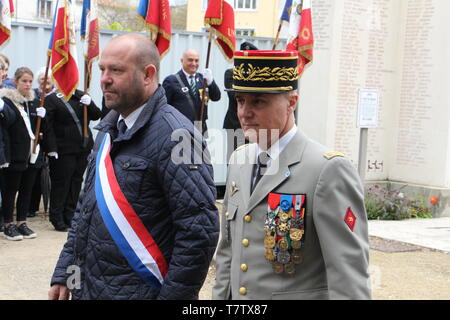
<point>176,203</point>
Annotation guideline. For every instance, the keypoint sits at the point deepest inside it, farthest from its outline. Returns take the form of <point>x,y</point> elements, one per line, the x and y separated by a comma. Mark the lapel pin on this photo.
<point>233,188</point>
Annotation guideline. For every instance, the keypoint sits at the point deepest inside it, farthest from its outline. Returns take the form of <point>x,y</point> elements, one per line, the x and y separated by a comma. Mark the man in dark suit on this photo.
<point>184,89</point>
<point>235,136</point>
<point>67,166</point>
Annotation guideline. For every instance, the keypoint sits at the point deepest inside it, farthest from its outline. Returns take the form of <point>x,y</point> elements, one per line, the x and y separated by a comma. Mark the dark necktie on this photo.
<point>121,128</point>
<point>260,168</point>
<point>193,86</point>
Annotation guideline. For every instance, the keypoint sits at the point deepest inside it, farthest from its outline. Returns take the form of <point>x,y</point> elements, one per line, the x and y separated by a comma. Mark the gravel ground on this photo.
<point>399,271</point>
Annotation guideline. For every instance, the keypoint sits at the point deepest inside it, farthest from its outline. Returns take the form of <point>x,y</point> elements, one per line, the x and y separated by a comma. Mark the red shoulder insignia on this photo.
<point>350,219</point>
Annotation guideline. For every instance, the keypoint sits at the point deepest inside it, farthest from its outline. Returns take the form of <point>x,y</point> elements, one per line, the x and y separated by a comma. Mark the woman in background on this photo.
<point>19,176</point>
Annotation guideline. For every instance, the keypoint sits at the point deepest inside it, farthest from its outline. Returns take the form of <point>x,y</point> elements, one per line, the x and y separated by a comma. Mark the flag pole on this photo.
<point>275,43</point>
<point>87,79</point>
<point>41,104</point>
<point>202,109</point>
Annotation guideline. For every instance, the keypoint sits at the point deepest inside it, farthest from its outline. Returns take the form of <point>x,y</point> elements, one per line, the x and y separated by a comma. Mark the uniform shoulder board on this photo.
<point>334,154</point>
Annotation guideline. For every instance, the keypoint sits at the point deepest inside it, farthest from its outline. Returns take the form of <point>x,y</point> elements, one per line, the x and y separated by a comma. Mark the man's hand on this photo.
<point>41,112</point>
<point>207,75</point>
<point>86,100</point>
<point>53,154</point>
<point>58,292</point>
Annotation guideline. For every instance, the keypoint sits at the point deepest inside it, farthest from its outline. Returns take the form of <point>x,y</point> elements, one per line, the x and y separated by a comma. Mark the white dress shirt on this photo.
<point>132,117</point>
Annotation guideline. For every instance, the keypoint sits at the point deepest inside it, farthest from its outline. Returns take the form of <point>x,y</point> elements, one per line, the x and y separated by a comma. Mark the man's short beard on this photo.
<point>132,98</point>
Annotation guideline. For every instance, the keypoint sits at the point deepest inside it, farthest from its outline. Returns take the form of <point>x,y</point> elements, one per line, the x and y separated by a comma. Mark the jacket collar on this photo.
<point>15,96</point>
<point>276,174</point>
<point>109,123</point>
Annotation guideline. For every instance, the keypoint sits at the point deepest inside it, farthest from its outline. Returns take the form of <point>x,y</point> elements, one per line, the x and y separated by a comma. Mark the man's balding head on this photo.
<point>190,61</point>
<point>129,64</point>
<point>138,45</point>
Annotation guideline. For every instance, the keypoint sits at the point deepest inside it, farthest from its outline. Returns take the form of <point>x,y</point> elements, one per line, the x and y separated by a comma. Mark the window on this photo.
<point>44,9</point>
<point>238,4</point>
<point>245,4</point>
<point>245,32</point>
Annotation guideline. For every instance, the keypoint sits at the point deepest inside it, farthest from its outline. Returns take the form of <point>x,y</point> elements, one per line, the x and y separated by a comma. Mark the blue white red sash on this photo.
<point>125,227</point>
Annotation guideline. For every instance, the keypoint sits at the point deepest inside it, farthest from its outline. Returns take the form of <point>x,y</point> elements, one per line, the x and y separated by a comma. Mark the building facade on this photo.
<point>42,11</point>
<point>258,18</point>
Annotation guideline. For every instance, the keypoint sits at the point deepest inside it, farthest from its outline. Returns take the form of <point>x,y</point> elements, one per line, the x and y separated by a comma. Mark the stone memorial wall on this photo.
<point>399,49</point>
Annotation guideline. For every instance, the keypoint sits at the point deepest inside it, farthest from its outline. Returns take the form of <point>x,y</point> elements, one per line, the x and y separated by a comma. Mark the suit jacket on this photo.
<point>64,136</point>
<point>335,258</point>
<point>231,120</point>
<point>177,95</point>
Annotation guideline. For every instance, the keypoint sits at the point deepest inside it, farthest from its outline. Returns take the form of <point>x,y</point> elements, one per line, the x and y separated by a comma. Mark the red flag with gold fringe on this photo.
<point>301,34</point>
<point>155,14</point>
<point>64,56</point>
<point>220,16</point>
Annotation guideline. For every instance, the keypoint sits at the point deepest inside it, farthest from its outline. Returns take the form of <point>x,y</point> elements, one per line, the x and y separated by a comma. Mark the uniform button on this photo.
<point>248,219</point>
<point>244,267</point>
<point>242,291</point>
<point>126,165</point>
<point>245,242</point>
<point>226,214</point>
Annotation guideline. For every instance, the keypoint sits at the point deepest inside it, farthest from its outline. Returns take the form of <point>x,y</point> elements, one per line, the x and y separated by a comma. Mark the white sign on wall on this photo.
<point>368,105</point>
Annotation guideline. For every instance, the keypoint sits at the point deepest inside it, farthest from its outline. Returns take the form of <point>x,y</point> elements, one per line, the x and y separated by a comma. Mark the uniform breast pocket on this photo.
<point>131,170</point>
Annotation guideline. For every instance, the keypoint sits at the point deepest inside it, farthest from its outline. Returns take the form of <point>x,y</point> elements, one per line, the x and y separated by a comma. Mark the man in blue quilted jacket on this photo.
<point>146,225</point>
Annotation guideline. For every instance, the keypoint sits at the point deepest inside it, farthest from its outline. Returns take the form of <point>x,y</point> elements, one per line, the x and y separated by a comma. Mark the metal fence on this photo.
<point>29,43</point>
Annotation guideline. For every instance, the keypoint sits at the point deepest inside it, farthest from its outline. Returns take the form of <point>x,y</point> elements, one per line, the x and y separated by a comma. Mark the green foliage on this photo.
<point>117,26</point>
<point>383,204</point>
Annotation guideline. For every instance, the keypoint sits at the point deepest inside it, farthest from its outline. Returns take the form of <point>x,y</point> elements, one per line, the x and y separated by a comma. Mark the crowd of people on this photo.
<point>293,224</point>
<point>24,151</point>
<point>61,143</point>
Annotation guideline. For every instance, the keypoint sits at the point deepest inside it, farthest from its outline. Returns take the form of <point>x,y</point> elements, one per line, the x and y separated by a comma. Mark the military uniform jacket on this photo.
<point>335,257</point>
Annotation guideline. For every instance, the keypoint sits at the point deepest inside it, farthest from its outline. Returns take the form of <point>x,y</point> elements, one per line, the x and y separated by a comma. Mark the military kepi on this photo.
<point>265,71</point>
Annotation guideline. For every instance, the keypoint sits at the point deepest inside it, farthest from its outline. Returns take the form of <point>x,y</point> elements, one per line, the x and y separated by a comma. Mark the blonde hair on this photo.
<point>4,58</point>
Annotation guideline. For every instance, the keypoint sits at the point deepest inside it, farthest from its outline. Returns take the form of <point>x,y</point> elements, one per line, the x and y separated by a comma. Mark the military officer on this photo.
<point>294,224</point>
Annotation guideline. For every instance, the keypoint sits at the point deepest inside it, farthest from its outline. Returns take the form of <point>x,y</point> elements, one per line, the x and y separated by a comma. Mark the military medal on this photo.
<point>284,226</point>
<point>282,229</point>
<point>269,241</point>
<point>296,244</point>
<point>283,244</point>
<point>284,216</point>
<point>296,234</point>
<point>278,267</point>
<point>289,268</point>
<point>270,255</point>
<point>283,257</point>
<point>296,257</point>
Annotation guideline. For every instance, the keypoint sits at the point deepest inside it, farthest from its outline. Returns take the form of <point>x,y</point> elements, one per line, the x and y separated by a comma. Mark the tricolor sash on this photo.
<point>127,230</point>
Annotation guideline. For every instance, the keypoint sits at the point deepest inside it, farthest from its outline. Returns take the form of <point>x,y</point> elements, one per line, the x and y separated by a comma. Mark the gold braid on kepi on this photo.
<point>265,71</point>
